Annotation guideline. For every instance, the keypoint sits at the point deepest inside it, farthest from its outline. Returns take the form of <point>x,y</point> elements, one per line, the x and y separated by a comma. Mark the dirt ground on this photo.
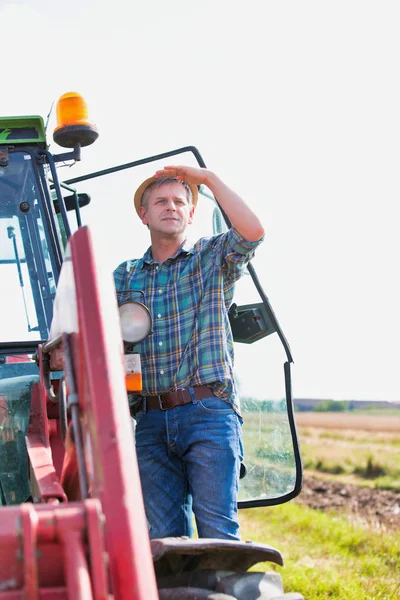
<point>379,509</point>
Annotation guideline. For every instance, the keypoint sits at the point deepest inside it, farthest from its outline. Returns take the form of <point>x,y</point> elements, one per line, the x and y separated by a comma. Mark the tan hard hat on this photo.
<point>142,187</point>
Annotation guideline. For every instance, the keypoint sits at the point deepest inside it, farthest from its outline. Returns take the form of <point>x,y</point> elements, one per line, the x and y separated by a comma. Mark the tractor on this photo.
<point>72,519</point>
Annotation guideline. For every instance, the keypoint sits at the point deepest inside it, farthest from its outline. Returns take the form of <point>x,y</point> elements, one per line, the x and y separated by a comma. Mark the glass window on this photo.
<point>27,272</point>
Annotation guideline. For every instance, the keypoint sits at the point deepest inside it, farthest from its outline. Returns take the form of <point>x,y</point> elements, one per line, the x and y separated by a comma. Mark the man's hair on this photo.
<point>159,182</point>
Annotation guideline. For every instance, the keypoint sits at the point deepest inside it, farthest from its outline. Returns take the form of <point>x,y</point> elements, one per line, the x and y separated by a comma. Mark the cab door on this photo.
<point>271,472</point>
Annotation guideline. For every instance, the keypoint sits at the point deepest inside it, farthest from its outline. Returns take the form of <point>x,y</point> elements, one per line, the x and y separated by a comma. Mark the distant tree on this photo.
<point>331,406</point>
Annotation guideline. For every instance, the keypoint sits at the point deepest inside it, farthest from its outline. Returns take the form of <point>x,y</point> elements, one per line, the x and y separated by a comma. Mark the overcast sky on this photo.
<point>295,104</point>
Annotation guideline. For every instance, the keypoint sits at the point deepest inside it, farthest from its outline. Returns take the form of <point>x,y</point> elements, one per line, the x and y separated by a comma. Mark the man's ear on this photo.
<point>143,215</point>
<point>191,215</point>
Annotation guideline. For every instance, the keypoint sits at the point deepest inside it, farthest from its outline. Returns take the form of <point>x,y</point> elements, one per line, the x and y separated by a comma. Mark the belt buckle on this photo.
<point>181,397</point>
<point>160,402</point>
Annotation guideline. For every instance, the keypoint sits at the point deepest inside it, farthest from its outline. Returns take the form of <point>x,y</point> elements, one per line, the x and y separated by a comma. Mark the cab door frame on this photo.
<point>272,326</point>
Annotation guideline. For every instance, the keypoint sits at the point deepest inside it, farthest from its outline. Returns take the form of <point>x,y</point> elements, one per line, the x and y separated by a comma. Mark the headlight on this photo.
<point>135,322</point>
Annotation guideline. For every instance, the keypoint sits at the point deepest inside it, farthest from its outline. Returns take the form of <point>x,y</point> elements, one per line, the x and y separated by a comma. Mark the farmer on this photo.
<point>188,424</point>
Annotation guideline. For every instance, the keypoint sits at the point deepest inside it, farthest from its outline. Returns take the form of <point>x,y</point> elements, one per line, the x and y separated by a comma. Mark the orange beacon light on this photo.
<point>73,125</point>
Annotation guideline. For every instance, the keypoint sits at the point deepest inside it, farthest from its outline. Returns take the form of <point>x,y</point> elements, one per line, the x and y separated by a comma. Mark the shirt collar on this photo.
<point>187,247</point>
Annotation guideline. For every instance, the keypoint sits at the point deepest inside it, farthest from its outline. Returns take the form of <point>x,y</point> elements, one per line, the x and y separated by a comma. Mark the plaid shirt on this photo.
<point>188,297</point>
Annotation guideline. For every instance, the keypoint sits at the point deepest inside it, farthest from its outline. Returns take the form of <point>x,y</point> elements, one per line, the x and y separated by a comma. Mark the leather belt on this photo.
<point>177,398</point>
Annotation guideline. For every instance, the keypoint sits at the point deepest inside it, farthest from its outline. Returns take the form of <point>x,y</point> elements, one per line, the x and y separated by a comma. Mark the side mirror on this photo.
<point>250,323</point>
<point>70,202</point>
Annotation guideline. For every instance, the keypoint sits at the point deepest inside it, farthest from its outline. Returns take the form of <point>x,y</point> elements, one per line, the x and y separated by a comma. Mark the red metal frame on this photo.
<point>47,559</point>
<point>97,548</point>
<point>100,379</point>
<point>45,485</point>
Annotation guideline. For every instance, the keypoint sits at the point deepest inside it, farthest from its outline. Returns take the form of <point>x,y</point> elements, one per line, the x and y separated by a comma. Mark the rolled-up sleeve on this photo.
<point>236,253</point>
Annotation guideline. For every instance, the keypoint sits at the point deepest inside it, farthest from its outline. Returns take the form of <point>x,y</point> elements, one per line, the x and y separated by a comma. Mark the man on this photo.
<point>188,432</point>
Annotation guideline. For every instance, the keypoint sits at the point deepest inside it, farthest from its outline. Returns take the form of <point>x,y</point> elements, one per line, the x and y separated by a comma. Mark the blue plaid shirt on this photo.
<point>188,297</point>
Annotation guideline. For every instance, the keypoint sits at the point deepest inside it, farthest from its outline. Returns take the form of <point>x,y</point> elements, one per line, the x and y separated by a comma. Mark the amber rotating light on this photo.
<point>73,125</point>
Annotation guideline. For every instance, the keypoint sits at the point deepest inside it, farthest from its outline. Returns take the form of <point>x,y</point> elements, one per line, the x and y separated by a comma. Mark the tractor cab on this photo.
<point>30,261</point>
<point>33,233</point>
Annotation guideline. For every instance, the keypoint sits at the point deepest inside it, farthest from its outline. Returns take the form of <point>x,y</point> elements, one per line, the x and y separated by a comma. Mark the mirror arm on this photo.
<point>271,313</point>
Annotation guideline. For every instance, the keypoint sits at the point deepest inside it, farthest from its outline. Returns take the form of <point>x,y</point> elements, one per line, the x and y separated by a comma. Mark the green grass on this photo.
<point>326,556</point>
<point>372,464</point>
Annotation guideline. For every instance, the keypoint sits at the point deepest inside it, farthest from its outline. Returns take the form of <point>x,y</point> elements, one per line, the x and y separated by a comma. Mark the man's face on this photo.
<point>168,209</point>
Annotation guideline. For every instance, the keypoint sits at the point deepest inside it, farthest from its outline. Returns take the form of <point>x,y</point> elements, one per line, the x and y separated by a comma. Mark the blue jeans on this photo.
<point>189,460</point>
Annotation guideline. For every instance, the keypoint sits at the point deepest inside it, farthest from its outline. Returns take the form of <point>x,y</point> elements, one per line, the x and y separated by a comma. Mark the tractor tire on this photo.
<point>257,586</point>
<point>224,585</point>
<point>185,593</point>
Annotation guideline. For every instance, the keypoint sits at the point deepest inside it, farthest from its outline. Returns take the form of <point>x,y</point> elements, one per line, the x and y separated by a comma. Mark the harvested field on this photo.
<point>352,465</point>
<point>348,420</point>
<point>379,509</point>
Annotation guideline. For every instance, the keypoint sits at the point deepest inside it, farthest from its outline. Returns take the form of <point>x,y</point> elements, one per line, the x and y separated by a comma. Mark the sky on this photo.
<point>294,104</point>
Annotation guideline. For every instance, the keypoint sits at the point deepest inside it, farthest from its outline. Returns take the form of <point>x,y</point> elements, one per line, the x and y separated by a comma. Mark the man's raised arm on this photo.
<point>243,219</point>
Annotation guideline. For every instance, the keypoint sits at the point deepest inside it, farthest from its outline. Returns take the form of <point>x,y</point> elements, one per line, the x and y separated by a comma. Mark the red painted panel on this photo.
<point>107,426</point>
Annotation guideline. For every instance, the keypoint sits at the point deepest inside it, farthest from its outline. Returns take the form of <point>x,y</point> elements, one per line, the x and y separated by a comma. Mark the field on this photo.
<point>341,537</point>
<point>350,421</point>
<point>361,449</point>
